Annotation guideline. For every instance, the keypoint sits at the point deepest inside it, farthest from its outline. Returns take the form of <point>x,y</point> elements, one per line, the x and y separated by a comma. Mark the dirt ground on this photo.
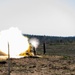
<point>46,65</point>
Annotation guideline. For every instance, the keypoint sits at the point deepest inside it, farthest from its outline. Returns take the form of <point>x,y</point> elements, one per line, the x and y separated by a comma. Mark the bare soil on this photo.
<point>46,65</point>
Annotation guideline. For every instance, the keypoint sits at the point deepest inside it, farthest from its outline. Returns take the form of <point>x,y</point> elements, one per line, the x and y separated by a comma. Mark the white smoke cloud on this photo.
<point>17,42</point>
<point>34,42</point>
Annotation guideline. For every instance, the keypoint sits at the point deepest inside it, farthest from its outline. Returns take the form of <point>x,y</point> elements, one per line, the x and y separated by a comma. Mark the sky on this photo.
<point>39,17</point>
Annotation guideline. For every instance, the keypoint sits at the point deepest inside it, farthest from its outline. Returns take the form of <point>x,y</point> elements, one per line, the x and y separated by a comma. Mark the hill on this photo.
<point>52,39</point>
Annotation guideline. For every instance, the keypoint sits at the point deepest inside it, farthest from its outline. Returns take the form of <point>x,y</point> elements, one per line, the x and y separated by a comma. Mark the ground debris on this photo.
<point>49,65</point>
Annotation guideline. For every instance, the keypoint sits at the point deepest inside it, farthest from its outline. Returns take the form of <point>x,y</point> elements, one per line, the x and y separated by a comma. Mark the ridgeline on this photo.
<point>52,39</point>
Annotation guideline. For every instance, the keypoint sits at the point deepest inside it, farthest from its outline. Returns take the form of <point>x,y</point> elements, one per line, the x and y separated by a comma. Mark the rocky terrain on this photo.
<point>46,65</point>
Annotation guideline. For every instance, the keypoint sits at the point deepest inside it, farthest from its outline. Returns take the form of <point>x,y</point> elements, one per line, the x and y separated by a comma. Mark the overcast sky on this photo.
<point>39,17</point>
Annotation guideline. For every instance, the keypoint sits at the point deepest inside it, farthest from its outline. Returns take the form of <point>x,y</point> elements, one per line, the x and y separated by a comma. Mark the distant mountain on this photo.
<point>52,39</point>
